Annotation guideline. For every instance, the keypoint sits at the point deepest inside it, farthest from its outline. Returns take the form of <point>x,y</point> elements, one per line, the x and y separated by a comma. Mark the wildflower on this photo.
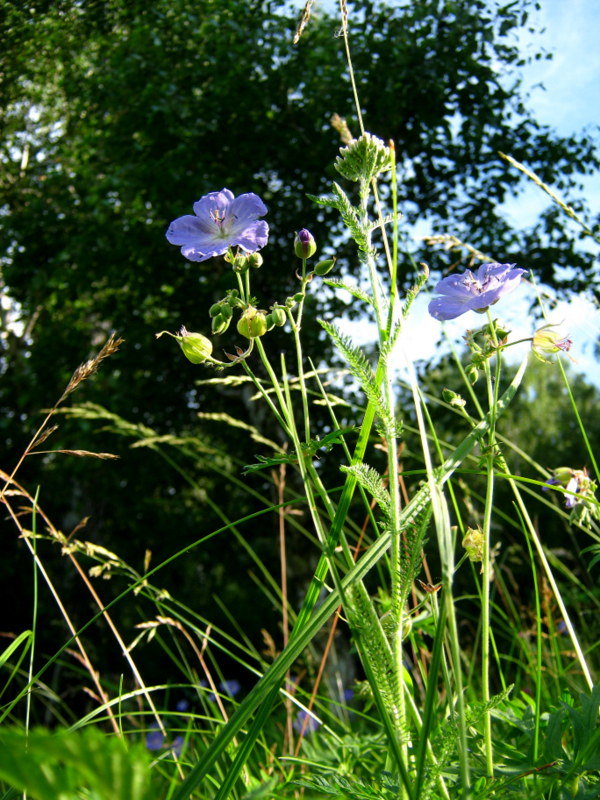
<point>474,292</point>
<point>304,244</point>
<point>177,746</point>
<point>546,342</point>
<point>311,724</point>
<point>222,221</point>
<point>578,486</point>
<point>228,687</point>
<point>155,739</point>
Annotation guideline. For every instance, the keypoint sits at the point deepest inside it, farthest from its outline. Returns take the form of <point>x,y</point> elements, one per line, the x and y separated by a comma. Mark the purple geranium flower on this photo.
<point>222,221</point>
<point>155,738</point>
<point>311,724</point>
<point>474,292</point>
<point>229,687</point>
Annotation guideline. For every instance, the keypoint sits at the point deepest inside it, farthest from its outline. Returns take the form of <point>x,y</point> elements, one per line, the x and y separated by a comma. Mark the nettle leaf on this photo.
<point>363,159</point>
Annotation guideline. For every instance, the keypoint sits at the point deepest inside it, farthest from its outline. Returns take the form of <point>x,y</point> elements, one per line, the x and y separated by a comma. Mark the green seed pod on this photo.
<point>196,347</point>
<point>279,316</point>
<point>323,267</point>
<point>299,297</point>
<point>252,323</point>
<point>219,324</point>
<point>226,311</point>
<point>214,309</point>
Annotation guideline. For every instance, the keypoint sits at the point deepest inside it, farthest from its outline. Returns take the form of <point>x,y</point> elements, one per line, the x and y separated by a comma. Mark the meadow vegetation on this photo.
<point>245,557</point>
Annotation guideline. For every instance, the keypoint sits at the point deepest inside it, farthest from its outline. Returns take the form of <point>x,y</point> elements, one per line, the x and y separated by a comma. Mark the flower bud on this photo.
<point>547,342</point>
<point>240,263</point>
<point>473,544</point>
<point>323,267</point>
<point>255,260</point>
<point>279,316</point>
<point>304,244</point>
<point>196,347</point>
<point>453,399</point>
<point>252,323</point>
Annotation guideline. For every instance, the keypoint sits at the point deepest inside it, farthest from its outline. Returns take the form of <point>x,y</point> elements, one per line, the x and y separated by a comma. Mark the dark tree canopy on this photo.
<point>118,114</point>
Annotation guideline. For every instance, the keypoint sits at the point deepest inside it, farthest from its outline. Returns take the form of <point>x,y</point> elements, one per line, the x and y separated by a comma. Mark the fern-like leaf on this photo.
<point>360,368</point>
<point>354,290</point>
<point>372,482</point>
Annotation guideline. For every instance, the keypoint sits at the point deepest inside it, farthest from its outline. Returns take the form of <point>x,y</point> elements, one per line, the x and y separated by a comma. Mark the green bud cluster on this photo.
<point>221,312</point>
<point>241,262</point>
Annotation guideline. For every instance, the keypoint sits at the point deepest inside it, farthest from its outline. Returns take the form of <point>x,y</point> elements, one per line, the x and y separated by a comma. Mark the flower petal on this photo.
<point>444,308</point>
<point>213,201</point>
<point>248,206</point>
<point>254,237</point>
<point>189,230</point>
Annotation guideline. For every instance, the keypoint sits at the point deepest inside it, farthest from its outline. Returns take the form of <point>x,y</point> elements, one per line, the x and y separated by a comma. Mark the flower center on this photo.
<point>219,217</point>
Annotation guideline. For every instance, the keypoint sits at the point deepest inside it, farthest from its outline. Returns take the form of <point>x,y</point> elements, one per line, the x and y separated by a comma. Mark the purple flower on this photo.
<point>474,292</point>
<point>230,688</point>
<point>222,221</point>
<point>576,483</point>
<point>154,738</point>
<point>310,726</point>
<point>177,745</point>
<point>572,486</point>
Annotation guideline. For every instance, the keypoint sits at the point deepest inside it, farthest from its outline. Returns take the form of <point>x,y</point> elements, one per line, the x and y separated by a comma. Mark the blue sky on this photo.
<point>570,99</point>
